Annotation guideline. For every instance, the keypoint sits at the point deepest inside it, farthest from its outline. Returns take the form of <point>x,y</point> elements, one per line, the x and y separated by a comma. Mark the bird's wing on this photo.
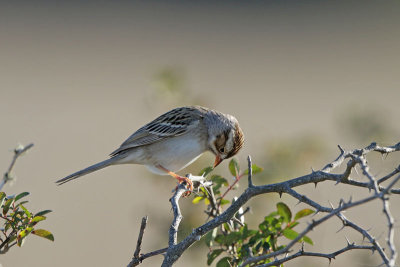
<point>173,123</point>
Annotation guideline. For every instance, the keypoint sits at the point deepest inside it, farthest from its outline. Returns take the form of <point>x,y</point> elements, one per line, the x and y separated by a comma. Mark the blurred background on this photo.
<point>77,78</point>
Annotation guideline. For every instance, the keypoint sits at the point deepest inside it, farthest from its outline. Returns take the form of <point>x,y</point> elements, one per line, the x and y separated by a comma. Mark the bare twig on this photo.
<point>140,237</point>
<point>136,262</point>
<point>137,256</point>
<point>17,152</point>
<point>390,175</point>
<point>328,256</point>
<point>365,234</point>
<point>173,230</point>
<point>250,174</point>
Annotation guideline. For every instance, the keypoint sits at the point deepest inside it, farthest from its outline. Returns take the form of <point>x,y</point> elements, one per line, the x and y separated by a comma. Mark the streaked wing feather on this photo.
<point>172,123</point>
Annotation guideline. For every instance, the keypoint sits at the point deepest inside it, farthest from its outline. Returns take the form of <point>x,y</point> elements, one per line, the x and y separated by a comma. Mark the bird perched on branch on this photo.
<point>174,140</point>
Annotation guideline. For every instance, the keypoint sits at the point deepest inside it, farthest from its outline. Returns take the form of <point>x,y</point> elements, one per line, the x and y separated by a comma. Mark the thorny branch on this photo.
<point>328,256</point>
<point>355,157</point>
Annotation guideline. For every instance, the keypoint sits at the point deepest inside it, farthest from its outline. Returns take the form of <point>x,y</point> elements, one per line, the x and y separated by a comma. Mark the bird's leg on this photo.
<point>181,179</point>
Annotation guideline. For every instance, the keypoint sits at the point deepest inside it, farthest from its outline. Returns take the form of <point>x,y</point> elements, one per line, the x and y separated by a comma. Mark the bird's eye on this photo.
<point>222,150</point>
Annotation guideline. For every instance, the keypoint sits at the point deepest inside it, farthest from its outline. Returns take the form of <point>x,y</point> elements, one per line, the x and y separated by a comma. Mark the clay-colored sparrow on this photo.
<point>174,140</point>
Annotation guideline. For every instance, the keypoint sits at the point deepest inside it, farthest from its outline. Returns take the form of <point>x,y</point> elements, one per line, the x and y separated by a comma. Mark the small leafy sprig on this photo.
<point>19,222</point>
<point>233,242</point>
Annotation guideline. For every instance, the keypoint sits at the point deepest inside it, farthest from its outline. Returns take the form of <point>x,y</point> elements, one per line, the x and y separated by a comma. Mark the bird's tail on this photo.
<point>89,169</point>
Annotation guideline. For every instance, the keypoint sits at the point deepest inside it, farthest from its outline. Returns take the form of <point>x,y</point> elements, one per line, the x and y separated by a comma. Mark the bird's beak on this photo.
<point>217,161</point>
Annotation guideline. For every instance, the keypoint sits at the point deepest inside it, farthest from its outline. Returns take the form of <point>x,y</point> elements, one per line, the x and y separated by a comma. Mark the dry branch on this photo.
<point>354,157</point>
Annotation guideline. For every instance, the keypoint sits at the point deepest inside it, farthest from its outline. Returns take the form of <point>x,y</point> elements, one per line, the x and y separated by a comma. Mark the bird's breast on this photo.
<point>175,154</point>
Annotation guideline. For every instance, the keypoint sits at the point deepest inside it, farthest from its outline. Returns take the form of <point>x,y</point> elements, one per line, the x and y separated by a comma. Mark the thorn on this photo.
<point>340,148</point>
<point>341,228</point>
<point>351,199</point>
<point>316,184</point>
<point>348,242</point>
<point>355,169</point>
<point>312,170</point>
<point>280,194</point>
<point>330,260</point>
<point>315,213</point>
<point>330,203</point>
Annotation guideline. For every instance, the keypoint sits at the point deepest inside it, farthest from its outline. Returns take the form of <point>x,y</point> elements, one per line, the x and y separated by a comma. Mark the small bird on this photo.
<point>174,140</point>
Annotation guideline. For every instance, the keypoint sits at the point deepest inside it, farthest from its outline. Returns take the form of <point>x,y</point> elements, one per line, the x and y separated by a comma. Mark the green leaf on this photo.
<point>224,262</point>
<point>290,234</point>
<point>19,196</point>
<point>218,182</point>
<point>204,172</point>
<point>7,226</point>
<point>224,201</point>
<point>303,213</point>
<point>28,214</point>
<point>308,240</point>
<point>234,167</point>
<point>226,227</point>
<point>293,224</point>
<point>43,233</point>
<point>254,169</point>
<point>220,239</point>
<point>284,211</point>
<point>204,191</point>
<point>7,205</point>
<point>210,236</point>
<point>232,238</point>
<point>43,212</point>
<point>37,219</point>
<point>23,234</point>
<point>246,232</point>
<point>22,202</point>
<point>2,198</point>
<point>197,200</point>
<point>212,255</point>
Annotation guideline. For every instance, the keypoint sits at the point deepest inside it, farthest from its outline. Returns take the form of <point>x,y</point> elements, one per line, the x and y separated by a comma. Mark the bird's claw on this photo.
<point>189,185</point>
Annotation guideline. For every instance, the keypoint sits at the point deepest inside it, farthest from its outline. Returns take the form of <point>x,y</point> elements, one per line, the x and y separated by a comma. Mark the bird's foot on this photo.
<point>189,185</point>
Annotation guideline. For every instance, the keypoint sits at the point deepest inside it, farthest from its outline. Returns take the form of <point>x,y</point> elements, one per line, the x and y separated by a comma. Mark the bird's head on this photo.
<point>226,142</point>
